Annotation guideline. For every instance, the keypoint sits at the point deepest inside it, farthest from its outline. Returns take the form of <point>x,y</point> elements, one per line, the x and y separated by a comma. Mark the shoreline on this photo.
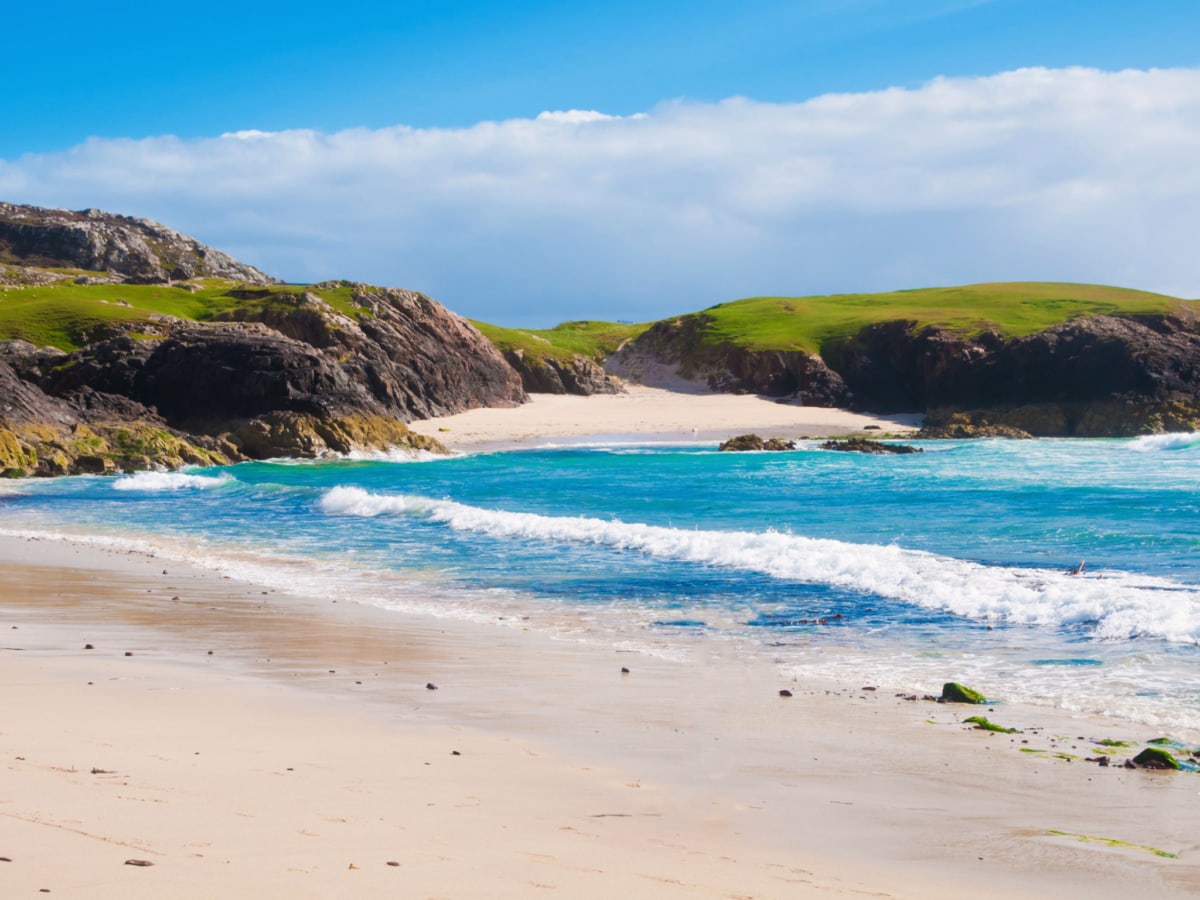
<point>649,414</point>
<point>258,770</point>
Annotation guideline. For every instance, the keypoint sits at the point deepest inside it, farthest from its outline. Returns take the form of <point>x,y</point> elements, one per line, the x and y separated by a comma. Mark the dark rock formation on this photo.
<point>137,250</point>
<point>293,378</point>
<point>546,375</point>
<point>752,442</point>
<point>679,348</point>
<point>862,445</point>
<point>1100,376</point>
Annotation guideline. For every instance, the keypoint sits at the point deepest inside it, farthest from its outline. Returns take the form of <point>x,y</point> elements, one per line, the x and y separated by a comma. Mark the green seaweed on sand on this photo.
<point>983,724</point>
<point>1156,758</point>
<point>1113,842</point>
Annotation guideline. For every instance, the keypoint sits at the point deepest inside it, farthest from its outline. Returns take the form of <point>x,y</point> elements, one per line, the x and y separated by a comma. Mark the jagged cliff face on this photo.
<point>297,379</point>
<point>279,374</point>
<point>138,251</point>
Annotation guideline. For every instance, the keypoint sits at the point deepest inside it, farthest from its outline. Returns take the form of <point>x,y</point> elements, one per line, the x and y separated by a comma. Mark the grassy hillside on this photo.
<point>1012,308</point>
<point>64,314</point>
<point>594,340</point>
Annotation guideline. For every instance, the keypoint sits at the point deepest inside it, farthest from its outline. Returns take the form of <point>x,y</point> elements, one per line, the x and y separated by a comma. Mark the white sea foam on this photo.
<point>1111,606</point>
<point>1153,443</point>
<point>153,482</point>
<point>395,454</point>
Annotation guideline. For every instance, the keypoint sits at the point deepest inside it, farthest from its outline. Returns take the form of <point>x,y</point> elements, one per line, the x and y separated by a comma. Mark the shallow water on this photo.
<point>899,571</point>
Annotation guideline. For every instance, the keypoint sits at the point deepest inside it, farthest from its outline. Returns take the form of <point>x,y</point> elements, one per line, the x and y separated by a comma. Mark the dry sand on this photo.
<point>648,413</point>
<point>305,754</point>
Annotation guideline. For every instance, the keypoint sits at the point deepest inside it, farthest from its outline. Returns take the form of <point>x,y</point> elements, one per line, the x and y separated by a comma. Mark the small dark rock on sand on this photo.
<point>953,692</point>
<point>430,686</point>
<point>1156,758</point>
<point>785,693</point>
<point>138,862</point>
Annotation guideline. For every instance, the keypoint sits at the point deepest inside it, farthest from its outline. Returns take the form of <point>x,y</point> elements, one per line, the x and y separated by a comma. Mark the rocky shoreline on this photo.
<point>284,372</point>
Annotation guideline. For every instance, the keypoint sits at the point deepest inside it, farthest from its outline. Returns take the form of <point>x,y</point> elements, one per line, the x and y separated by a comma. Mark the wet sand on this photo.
<point>306,753</point>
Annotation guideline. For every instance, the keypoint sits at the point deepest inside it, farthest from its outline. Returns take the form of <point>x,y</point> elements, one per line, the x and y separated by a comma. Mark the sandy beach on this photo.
<point>244,743</point>
<point>249,744</point>
<point>649,413</point>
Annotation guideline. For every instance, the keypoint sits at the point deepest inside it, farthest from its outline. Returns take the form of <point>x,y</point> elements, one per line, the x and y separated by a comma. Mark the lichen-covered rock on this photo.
<point>139,250</point>
<point>953,692</point>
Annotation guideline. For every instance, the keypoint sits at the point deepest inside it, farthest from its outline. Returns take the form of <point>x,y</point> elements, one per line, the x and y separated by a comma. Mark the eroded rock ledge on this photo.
<point>293,377</point>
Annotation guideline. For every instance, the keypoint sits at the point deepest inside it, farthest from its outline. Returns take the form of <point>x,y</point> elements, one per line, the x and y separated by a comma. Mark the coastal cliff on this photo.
<point>130,368</point>
<point>1118,363</point>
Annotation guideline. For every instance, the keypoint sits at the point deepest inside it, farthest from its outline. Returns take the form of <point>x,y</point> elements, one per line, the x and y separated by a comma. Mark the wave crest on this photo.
<point>1115,606</point>
<point>153,482</point>
<point>1154,443</point>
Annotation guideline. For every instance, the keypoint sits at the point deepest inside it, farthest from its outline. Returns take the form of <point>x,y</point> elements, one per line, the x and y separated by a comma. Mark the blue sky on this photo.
<point>377,113</point>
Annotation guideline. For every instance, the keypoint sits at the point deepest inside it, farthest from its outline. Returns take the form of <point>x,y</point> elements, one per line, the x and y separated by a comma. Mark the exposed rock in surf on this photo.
<point>864,445</point>
<point>752,442</point>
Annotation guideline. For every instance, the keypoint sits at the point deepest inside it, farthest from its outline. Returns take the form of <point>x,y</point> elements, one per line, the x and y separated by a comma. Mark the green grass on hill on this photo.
<point>594,340</point>
<point>1013,309</point>
<point>64,314</point>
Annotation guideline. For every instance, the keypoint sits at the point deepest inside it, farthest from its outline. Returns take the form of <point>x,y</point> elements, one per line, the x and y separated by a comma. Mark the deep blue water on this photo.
<point>905,570</point>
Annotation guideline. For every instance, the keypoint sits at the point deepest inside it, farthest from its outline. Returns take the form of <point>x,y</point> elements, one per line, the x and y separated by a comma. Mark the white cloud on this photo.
<point>1070,174</point>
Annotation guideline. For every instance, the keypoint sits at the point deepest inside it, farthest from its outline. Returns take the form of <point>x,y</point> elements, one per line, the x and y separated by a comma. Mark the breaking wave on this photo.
<point>153,482</point>
<point>1153,443</point>
<point>1108,606</point>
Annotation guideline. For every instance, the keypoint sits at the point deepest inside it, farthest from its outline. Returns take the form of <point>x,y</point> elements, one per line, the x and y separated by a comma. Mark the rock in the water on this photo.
<point>864,445</point>
<point>751,442</point>
<point>1156,758</point>
<point>953,692</point>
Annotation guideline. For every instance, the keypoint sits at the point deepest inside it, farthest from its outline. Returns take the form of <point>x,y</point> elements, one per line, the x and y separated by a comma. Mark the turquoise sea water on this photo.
<point>898,571</point>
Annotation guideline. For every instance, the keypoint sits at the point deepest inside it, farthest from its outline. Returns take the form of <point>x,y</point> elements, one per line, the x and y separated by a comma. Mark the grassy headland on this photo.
<point>67,315</point>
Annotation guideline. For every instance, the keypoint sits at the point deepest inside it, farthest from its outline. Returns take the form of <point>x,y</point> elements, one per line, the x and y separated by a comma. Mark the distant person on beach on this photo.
<point>1078,570</point>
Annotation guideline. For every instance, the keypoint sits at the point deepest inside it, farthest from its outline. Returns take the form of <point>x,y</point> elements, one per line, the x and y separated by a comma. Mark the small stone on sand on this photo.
<point>785,693</point>
<point>430,686</point>
<point>139,862</point>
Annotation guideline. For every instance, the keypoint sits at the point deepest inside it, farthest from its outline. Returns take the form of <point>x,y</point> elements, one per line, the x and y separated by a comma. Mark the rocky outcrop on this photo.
<point>547,375</point>
<point>138,250</point>
<point>1095,376</point>
<point>753,442</point>
<point>682,349</point>
<point>863,445</point>
<point>286,376</point>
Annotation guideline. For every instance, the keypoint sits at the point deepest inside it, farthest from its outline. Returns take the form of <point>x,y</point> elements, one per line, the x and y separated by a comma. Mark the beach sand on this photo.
<point>648,413</point>
<point>250,744</point>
